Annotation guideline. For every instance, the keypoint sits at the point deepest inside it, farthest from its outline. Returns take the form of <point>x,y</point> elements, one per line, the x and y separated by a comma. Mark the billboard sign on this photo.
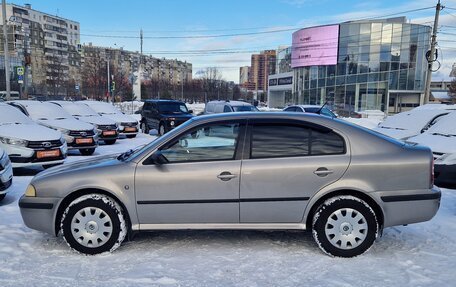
<point>316,46</point>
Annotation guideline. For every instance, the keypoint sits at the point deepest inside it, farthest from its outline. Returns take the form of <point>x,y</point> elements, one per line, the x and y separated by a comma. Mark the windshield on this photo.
<point>413,120</point>
<point>445,125</point>
<point>47,111</point>
<point>11,115</point>
<point>169,108</point>
<point>102,108</point>
<point>245,108</point>
<point>79,110</point>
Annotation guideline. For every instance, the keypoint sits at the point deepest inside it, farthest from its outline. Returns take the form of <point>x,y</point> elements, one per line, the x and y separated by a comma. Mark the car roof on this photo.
<point>231,103</point>
<point>26,103</point>
<point>162,101</point>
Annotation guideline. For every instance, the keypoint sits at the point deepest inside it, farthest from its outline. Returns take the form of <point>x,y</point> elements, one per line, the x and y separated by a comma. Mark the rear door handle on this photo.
<point>226,175</point>
<point>323,171</point>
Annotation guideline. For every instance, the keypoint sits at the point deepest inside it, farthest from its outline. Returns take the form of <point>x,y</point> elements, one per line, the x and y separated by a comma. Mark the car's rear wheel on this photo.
<point>110,142</point>
<point>161,130</point>
<point>144,128</point>
<point>87,151</point>
<point>93,224</point>
<point>345,226</point>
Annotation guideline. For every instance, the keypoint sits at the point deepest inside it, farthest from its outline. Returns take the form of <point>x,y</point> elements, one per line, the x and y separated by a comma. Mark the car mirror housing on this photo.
<point>158,158</point>
<point>190,111</point>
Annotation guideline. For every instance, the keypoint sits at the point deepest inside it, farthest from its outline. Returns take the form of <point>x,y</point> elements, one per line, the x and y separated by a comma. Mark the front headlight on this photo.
<point>62,140</point>
<point>30,191</point>
<point>171,123</point>
<point>13,141</point>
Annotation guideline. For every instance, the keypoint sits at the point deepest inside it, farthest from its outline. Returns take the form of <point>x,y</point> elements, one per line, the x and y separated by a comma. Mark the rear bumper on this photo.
<point>406,207</point>
<point>39,213</point>
<point>445,175</point>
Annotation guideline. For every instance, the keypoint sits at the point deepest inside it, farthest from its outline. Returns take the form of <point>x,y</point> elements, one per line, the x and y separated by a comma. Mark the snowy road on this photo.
<point>417,255</point>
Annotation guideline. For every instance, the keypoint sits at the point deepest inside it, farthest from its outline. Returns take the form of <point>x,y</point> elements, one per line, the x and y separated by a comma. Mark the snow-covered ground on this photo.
<point>421,254</point>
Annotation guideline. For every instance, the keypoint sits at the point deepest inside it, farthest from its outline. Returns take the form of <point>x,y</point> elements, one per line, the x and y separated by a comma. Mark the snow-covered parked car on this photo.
<point>28,143</point>
<point>408,124</point>
<point>127,125</point>
<point>106,128</point>
<point>441,138</point>
<point>78,134</point>
<point>6,173</point>
<point>314,109</point>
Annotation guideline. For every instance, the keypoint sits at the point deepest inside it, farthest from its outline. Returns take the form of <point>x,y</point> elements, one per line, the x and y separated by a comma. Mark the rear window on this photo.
<point>284,140</point>
<point>245,109</point>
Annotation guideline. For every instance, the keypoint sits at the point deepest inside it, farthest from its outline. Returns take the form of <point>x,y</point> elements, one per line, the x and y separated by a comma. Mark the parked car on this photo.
<point>106,128</point>
<point>441,138</point>
<point>265,171</point>
<point>127,125</point>
<point>216,107</point>
<point>407,124</point>
<point>78,134</point>
<point>28,143</point>
<point>6,174</point>
<point>163,115</point>
<point>311,109</point>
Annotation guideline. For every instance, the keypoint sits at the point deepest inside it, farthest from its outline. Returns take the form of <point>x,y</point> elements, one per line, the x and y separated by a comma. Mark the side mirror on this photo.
<point>138,112</point>
<point>190,111</point>
<point>158,158</point>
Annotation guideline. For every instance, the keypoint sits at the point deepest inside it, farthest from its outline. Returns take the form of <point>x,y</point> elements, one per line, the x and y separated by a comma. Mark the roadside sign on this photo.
<point>20,71</point>
<point>20,79</point>
<point>76,87</point>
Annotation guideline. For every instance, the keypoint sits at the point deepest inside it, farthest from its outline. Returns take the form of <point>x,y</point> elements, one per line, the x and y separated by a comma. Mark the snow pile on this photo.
<point>196,107</point>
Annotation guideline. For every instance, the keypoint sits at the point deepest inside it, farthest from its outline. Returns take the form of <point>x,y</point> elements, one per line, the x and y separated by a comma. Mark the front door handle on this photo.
<point>323,171</point>
<point>226,175</point>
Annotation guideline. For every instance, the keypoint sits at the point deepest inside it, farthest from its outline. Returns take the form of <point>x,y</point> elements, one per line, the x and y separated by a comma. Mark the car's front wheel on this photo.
<point>144,128</point>
<point>345,226</point>
<point>161,130</point>
<point>93,224</point>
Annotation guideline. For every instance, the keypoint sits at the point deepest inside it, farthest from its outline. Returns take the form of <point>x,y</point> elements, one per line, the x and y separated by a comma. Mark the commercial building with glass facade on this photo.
<point>376,65</point>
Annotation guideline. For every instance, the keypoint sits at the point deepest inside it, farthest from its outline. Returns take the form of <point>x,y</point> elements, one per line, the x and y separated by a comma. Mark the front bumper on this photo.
<point>108,135</point>
<point>27,157</point>
<point>445,175</point>
<point>412,206</point>
<point>75,144</point>
<point>39,213</point>
<point>6,178</point>
<point>128,130</point>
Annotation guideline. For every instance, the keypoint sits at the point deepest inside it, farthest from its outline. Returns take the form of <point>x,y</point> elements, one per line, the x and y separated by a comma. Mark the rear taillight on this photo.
<point>431,179</point>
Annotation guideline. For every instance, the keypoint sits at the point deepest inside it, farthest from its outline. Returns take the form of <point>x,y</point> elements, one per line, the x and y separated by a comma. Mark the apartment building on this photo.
<point>262,65</point>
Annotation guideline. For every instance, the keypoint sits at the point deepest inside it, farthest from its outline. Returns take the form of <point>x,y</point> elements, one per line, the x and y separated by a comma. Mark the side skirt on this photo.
<point>221,226</point>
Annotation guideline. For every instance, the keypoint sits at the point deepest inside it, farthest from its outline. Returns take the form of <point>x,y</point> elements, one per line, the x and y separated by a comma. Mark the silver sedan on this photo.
<point>268,171</point>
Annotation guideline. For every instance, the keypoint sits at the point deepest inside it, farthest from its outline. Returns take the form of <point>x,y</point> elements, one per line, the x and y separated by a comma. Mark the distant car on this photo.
<point>311,109</point>
<point>217,107</point>
<point>408,124</point>
<point>106,128</point>
<point>6,173</point>
<point>441,138</point>
<point>163,115</point>
<point>127,125</point>
<point>78,134</point>
<point>255,171</point>
<point>28,143</point>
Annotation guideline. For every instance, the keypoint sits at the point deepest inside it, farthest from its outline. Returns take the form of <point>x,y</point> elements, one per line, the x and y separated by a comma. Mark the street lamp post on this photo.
<point>5,49</point>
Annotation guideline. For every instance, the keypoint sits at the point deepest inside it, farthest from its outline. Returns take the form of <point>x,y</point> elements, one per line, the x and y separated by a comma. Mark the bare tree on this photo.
<point>94,82</point>
<point>211,79</point>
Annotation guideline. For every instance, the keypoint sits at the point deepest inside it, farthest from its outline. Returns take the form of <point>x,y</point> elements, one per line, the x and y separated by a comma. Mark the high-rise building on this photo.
<point>244,73</point>
<point>48,48</point>
<point>262,65</point>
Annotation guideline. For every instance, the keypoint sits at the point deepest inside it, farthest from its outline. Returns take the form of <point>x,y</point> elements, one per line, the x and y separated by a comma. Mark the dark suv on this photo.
<point>163,115</point>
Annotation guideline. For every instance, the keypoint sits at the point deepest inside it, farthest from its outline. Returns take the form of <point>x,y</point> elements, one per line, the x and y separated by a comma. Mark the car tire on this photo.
<point>161,130</point>
<point>345,226</point>
<point>130,136</point>
<point>110,142</point>
<point>2,196</point>
<point>93,224</point>
<point>144,128</point>
<point>87,151</point>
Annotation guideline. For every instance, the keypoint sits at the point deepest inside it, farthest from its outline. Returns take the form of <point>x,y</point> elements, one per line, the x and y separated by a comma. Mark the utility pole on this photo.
<point>108,58</point>
<point>5,49</point>
<point>431,58</point>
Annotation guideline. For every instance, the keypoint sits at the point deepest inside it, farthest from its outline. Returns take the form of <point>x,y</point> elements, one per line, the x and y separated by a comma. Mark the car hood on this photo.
<point>93,163</point>
<point>120,118</point>
<point>68,124</point>
<point>29,132</point>
<point>397,134</point>
<point>97,120</point>
<point>437,143</point>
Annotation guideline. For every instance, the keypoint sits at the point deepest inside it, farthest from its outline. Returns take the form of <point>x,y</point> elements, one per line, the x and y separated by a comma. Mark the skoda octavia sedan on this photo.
<point>250,171</point>
<point>28,143</point>
<point>78,134</point>
<point>106,129</point>
<point>6,173</point>
<point>127,125</point>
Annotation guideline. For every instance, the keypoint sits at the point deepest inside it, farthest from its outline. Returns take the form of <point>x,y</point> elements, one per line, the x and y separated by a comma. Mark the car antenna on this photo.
<point>319,111</point>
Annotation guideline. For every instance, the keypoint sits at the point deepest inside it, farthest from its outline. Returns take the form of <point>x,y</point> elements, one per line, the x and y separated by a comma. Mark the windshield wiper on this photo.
<point>123,156</point>
<point>443,135</point>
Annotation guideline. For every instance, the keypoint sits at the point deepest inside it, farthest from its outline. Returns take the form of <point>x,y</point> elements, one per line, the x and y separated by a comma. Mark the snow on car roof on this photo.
<point>101,107</point>
<point>76,109</point>
<point>412,120</point>
<point>43,111</point>
<point>11,115</point>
